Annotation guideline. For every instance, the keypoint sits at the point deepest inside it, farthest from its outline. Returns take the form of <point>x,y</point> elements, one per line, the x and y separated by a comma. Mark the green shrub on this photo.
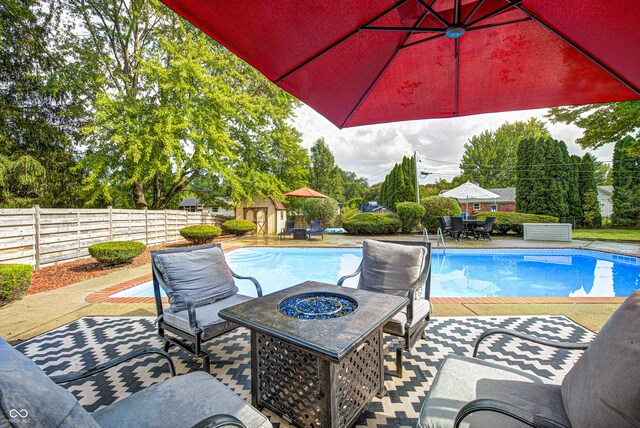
<point>512,222</point>
<point>15,280</point>
<point>372,224</point>
<point>116,252</point>
<point>436,206</point>
<point>325,210</point>
<point>200,234</point>
<point>238,227</point>
<point>410,214</point>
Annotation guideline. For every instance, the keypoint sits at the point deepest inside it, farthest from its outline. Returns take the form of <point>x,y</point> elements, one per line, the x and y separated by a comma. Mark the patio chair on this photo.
<point>288,229</point>
<point>458,231</point>
<point>315,229</point>
<point>31,398</point>
<point>446,229</point>
<point>199,284</point>
<point>401,268</point>
<point>484,231</point>
<point>601,389</point>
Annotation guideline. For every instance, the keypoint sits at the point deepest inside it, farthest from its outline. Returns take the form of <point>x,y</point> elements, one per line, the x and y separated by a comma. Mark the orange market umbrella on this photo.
<point>305,192</point>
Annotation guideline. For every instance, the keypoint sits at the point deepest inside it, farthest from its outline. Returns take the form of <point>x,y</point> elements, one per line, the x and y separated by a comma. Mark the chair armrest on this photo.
<point>411,296</point>
<point>250,278</point>
<point>356,273</point>
<point>114,362</point>
<point>561,345</point>
<point>490,405</point>
<point>219,421</point>
<point>177,297</point>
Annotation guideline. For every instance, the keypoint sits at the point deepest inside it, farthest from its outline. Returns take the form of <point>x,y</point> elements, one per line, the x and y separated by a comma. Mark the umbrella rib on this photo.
<point>434,13</point>
<point>370,88</point>
<point>406,29</point>
<point>498,11</point>
<point>498,24</point>
<point>408,45</point>
<point>578,48</point>
<point>474,10</point>
<point>333,45</point>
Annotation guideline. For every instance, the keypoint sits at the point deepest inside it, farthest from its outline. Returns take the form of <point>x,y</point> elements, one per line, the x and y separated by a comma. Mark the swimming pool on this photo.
<point>459,273</point>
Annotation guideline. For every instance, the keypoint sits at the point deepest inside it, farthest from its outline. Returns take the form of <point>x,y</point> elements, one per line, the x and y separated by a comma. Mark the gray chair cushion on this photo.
<point>603,387</point>
<point>396,325</point>
<point>391,268</point>
<point>207,318</point>
<point>203,275</point>
<point>181,401</point>
<point>463,379</point>
<point>27,390</point>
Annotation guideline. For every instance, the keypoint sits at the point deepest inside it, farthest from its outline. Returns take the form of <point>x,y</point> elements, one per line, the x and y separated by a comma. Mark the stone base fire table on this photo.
<point>316,351</point>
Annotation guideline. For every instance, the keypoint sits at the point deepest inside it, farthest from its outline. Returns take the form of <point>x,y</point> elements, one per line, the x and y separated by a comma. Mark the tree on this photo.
<point>40,108</point>
<point>325,176</point>
<point>325,210</point>
<point>399,184</point>
<point>589,192</point>
<point>626,184</point>
<point>602,173</point>
<point>603,123</point>
<point>573,192</point>
<point>174,105</point>
<point>372,193</point>
<point>490,158</point>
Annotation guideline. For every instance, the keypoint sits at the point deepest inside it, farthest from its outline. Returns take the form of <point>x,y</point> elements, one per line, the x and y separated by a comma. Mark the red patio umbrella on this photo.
<point>360,62</point>
<point>305,192</point>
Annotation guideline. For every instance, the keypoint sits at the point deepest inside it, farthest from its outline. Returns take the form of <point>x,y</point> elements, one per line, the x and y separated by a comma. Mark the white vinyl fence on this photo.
<point>42,236</point>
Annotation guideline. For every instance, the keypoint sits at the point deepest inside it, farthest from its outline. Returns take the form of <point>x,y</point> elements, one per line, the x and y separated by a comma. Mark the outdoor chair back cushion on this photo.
<point>29,398</point>
<point>391,268</point>
<point>603,387</point>
<point>203,275</point>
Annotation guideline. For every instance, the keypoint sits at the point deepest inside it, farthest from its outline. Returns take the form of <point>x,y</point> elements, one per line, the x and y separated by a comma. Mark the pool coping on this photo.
<point>104,295</point>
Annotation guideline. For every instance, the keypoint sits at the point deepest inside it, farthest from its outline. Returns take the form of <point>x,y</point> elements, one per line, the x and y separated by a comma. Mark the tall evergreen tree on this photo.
<point>589,192</point>
<point>573,193</point>
<point>626,184</point>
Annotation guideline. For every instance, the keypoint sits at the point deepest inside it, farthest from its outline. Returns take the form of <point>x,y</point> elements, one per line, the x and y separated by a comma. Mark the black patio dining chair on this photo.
<point>444,228</point>
<point>485,230</point>
<point>458,231</point>
<point>401,268</point>
<point>315,229</point>
<point>199,284</point>
<point>288,229</point>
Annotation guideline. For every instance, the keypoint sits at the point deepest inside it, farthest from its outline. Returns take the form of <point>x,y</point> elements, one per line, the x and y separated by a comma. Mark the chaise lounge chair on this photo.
<point>401,268</point>
<point>288,230</point>
<point>28,397</point>
<point>601,390</point>
<point>199,284</point>
<point>315,229</point>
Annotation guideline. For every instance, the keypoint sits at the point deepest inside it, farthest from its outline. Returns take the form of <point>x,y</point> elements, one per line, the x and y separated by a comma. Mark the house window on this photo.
<point>281,215</point>
<point>214,209</point>
<point>494,208</point>
<point>476,207</point>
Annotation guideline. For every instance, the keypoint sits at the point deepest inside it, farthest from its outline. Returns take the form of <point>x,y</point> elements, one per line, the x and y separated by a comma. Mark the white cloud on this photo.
<point>370,151</point>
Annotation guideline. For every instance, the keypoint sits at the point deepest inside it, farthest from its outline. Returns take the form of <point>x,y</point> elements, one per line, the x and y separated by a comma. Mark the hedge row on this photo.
<point>372,224</point>
<point>410,214</point>
<point>512,222</point>
<point>15,280</point>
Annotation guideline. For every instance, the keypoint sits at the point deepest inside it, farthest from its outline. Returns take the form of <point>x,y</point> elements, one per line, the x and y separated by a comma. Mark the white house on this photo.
<point>604,199</point>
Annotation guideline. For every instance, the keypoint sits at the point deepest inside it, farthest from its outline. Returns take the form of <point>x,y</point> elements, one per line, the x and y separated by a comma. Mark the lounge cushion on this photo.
<point>181,401</point>
<point>396,325</point>
<point>391,268</point>
<point>28,398</point>
<point>203,275</point>
<point>603,387</point>
<point>207,318</point>
<point>463,379</point>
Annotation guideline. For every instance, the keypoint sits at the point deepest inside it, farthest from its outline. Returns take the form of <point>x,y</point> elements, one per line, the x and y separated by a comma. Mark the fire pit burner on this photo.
<point>314,306</point>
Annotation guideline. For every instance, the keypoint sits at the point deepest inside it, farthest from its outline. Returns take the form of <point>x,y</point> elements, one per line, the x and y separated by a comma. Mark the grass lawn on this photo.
<point>608,234</point>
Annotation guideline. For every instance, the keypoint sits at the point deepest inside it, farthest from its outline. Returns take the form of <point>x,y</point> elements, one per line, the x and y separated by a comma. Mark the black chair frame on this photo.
<point>417,331</point>
<point>188,341</point>
<point>315,231</point>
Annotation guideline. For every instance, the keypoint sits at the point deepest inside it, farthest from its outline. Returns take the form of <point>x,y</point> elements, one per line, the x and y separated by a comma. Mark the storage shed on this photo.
<point>269,215</point>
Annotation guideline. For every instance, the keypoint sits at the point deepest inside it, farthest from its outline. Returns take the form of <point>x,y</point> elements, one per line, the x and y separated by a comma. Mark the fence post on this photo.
<point>166,227</point>
<point>186,218</point>
<point>110,208</point>
<point>36,242</point>
<point>78,234</point>
<point>146,226</point>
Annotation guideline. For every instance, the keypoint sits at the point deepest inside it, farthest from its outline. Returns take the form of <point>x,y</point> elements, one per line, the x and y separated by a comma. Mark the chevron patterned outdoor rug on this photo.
<point>92,340</point>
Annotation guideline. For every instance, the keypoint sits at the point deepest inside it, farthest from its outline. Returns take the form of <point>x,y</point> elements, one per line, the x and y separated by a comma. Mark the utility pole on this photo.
<point>415,165</point>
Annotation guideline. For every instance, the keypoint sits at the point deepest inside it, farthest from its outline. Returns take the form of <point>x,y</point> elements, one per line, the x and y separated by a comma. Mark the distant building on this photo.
<point>604,199</point>
<point>505,203</point>
<point>194,205</point>
<point>269,214</point>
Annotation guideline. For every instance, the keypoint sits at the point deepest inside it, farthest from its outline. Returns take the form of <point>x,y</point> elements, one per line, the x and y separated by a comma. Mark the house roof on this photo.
<point>606,189</point>
<point>276,203</point>
<point>189,202</point>
<point>507,194</point>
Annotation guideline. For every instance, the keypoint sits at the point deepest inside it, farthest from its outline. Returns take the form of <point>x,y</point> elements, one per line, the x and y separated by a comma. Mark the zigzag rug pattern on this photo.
<point>91,340</point>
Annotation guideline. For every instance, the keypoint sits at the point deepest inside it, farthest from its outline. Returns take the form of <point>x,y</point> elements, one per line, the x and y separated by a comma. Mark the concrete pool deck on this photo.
<point>37,313</point>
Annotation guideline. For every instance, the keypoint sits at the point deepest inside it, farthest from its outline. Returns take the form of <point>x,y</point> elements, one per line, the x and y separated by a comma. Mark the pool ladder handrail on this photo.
<point>439,238</point>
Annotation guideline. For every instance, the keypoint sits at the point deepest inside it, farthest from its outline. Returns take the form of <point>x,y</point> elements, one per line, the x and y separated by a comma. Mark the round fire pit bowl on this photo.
<point>318,306</point>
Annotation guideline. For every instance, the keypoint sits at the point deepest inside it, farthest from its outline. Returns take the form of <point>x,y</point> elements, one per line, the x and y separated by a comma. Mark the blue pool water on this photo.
<point>459,273</point>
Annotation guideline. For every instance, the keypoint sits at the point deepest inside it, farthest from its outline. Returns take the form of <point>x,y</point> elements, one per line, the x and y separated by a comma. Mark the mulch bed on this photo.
<point>63,274</point>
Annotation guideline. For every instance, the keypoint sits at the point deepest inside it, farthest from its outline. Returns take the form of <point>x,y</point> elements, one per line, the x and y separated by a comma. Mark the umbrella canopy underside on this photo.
<point>360,62</point>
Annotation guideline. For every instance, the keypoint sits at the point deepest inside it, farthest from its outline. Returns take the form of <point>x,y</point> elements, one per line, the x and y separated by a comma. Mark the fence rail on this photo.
<point>43,236</point>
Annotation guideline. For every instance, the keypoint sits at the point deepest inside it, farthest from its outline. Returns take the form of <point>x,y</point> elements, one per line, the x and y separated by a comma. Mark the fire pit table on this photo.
<point>316,351</point>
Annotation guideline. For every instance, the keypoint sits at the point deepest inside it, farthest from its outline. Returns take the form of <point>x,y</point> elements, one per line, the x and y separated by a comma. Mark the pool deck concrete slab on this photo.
<point>37,313</point>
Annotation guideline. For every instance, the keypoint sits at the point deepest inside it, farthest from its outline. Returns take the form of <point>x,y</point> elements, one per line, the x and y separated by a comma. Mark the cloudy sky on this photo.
<point>371,151</point>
